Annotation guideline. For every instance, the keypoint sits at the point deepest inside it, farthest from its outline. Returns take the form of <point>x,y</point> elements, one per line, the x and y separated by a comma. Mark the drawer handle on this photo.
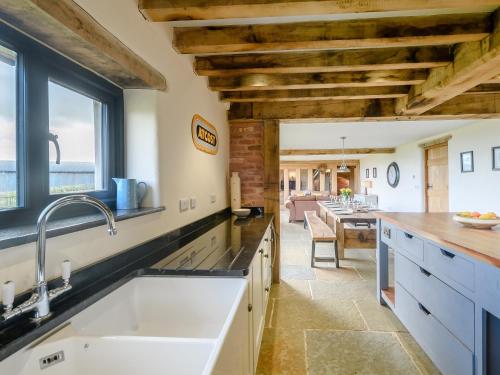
<point>423,309</point>
<point>261,251</point>
<point>447,254</point>
<point>266,255</point>
<point>424,271</point>
<point>408,235</point>
<point>387,232</point>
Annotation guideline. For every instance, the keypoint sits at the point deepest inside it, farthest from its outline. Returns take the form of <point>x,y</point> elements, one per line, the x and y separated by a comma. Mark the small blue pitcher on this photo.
<point>129,194</point>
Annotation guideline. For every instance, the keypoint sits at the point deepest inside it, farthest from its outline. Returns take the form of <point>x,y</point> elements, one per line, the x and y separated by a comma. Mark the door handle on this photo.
<point>53,138</point>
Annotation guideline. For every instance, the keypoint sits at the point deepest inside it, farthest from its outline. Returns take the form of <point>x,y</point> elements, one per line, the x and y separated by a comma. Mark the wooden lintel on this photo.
<point>434,142</point>
<point>338,151</point>
<point>187,10</point>
<point>364,33</point>
<point>375,78</point>
<point>65,27</point>
<point>474,63</point>
<point>323,61</point>
<point>345,93</point>
<point>460,107</point>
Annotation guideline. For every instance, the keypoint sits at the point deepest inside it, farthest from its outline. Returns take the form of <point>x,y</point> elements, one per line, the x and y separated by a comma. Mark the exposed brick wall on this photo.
<point>247,158</point>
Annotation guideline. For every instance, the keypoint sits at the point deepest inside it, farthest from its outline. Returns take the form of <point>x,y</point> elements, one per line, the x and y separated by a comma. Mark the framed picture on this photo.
<point>467,161</point>
<point>367,173</point>
<point>374,173</point>
<point>496,158</point>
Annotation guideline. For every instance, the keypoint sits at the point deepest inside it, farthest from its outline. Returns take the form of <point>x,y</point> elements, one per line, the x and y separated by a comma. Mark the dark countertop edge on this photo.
<point>79,300</point>
<point>26,234</point>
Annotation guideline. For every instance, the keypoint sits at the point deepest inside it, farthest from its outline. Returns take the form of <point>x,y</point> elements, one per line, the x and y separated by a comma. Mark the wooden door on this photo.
<point>436,172</point>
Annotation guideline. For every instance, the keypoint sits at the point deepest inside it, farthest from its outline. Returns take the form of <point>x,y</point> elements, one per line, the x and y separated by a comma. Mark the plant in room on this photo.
<point>346,193</point>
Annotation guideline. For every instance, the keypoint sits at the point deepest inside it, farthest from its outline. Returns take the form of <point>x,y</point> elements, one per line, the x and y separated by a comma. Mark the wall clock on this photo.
<point>393,174</point>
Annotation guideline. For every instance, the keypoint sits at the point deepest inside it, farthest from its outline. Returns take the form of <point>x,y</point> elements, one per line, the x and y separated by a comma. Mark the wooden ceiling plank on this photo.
<point>338,151</point>
<point>474,63</point>
<point>376,78</point>
<point>351,34</point>
<point>461,107</point>
<point>185,10</point>
<point>483,89</point>
<point>324,61</point>
<point>346,93</point>
<point>65,27</point>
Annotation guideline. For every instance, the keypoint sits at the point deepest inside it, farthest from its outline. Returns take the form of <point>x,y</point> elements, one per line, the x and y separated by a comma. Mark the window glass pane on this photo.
<point>303,179</point>
<point>8,102</point>
<point>291,179</point>
<point>316,176</point>
<point>75,123</point>
<point>328,180</point>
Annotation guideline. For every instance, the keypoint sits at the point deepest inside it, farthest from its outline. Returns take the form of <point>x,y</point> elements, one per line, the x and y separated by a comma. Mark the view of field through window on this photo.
<point>75,127</point>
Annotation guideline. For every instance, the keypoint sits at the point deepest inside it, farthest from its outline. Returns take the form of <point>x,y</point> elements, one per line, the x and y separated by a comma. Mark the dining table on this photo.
<point>354,230</point>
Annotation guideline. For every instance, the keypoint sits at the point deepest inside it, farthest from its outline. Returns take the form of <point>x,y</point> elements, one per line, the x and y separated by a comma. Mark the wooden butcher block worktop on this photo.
<point>482,244</point>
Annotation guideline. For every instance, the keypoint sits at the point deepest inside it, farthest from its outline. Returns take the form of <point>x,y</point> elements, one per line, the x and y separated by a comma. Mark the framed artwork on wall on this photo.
<point>374,173</point>
<point>467,161</point>
<point>367,173</point>
<point>496,158</point>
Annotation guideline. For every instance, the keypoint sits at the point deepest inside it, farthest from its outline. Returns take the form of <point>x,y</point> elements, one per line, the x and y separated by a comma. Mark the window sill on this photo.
<point>25,234</point>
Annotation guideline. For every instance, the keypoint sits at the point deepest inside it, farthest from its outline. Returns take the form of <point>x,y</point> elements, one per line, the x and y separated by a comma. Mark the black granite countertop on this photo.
<point>219,245</point>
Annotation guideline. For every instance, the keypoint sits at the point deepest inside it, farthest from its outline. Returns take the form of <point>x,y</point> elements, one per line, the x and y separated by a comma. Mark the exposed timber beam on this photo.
<point>473,63</point>
<point>365,33</point>
<point>324,61</point>
<point>67,28</point>
<point>346,93</point>
<point>375,78</point>
<point>177,10</point>
<point>462,107</point>
<point>339,151</point>
<point>484,89</point>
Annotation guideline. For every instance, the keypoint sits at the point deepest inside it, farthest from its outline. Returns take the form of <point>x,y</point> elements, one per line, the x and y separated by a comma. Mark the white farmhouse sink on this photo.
<point>150,325</point>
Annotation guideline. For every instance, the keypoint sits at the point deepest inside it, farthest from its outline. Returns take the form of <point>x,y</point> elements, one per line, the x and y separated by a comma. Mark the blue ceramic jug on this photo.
<point>129,193</point>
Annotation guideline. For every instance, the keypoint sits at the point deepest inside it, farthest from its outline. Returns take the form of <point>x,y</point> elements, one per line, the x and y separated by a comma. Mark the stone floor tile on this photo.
<point>282,352</point>
<point>291,288</point>
<point>420,358</point>
<point>341,290</point>
<point>316,314</point>
<point>297,272</point>
<point>378,317</point>
<point>359,353</point>
<point>328,272</point>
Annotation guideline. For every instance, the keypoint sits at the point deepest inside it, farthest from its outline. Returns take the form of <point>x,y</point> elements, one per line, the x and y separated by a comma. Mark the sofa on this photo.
<point>297,205</point>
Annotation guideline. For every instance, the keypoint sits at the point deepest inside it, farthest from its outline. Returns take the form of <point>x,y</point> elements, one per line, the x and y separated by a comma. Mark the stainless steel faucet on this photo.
<point>39,302</point>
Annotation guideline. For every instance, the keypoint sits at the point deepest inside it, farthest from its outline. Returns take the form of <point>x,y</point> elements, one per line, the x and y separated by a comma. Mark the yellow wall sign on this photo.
<point>204,135</point>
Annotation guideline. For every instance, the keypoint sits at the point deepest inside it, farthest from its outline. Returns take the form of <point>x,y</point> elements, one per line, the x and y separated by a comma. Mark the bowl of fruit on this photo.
<point>477,220</point>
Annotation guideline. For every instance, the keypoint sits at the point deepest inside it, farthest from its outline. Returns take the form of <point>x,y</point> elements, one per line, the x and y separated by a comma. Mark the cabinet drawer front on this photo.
<point>388,234</point>
<point>410,245</point>
<point>447,353</point>
<point>448,264</point>
<point>452,309</point>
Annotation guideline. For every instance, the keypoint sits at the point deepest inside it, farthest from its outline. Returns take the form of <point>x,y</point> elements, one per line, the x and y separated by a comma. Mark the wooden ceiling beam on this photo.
<point>65,27</point>
<point>345,93</point>
<point>186,10</point>
<point>473,63</point>
<point>350,34</point>
<point>323,61</point>
<point>338,151</point>
<point>318,80</point>
<point>461,107</point>
<point>484,89</point>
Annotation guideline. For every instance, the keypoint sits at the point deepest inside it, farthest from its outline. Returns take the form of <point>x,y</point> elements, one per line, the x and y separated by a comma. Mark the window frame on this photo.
<point>37,65</point>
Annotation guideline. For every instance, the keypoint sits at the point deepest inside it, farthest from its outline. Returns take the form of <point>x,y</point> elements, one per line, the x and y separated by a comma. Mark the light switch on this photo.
<point>184,204</point>
<point>213,198</point>
<point>193,203</point>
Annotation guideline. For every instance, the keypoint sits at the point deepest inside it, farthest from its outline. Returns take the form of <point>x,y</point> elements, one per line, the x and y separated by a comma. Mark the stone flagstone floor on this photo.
<point>327,320</point>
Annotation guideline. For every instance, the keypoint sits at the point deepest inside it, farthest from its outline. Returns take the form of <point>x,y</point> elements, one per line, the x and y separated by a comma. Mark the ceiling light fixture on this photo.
<point>343,166</point>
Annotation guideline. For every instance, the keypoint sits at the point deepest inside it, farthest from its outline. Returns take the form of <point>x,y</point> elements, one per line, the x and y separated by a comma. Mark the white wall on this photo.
<point>159,150</point>
<point>467,191</point>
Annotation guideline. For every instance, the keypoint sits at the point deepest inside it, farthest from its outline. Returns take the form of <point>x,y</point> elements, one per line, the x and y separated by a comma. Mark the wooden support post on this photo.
<point>334,179</point>
<point>321,181</point>
<point>272,185</point>
<point>297,180</point>
<point>310,179</point>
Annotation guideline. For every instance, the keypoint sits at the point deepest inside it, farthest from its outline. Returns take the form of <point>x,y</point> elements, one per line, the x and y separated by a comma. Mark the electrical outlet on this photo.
<point>184,204</point>
<point>193,203</point>
<point>213,198</point>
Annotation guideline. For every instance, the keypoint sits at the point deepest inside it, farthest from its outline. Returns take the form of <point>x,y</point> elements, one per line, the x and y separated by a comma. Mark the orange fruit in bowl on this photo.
<point>475,214</point>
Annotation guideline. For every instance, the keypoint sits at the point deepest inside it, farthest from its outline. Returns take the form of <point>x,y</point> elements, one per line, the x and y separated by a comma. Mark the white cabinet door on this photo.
<point>257,304</point>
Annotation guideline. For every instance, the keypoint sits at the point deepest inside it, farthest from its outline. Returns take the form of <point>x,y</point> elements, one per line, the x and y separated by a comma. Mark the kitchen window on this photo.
<point>61,131</point>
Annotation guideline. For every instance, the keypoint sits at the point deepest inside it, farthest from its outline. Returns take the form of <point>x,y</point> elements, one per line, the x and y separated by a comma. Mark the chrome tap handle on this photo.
<point>66,271</point>
<point>8,293</point>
